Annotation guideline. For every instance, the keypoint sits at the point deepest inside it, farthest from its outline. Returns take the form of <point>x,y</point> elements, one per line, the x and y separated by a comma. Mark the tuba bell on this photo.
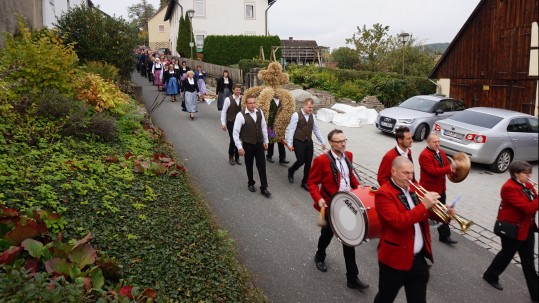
<point>463,167</point>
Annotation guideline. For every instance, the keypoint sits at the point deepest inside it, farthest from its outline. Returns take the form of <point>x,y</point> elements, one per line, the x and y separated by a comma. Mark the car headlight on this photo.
<point>406,121</point>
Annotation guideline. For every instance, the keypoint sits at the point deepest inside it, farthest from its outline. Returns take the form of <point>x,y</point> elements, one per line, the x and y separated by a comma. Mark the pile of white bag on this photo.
<point>346,115</point>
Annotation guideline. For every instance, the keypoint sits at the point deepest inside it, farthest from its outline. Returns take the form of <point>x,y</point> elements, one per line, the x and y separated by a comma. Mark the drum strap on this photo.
<point>350,167</point>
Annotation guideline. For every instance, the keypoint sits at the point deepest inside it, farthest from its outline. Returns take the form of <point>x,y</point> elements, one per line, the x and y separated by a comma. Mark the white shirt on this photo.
<point>226,105</point>
<point>403,153</point>
<point>276,101</point>
<point>344,170</point>
<point>225,80</point>
<point>240,120</point>
<point>418,239</point>
<point>191,80</point>
<point>294,124</point>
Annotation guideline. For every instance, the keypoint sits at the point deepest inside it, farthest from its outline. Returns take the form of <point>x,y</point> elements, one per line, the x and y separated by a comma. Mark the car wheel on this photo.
<point>502,161</point>
<point>421,132</point>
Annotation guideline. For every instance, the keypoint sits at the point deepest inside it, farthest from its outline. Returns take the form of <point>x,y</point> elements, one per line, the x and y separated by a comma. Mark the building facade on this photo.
<point>159,31</point>
<point>493,60</point>
<point>218,17</point>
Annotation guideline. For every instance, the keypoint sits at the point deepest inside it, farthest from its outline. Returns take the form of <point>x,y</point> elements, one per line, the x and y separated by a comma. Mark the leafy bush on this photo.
<point>100,94</point>
<point>227,50</point>
<point>105,70</point>
<point>103,126</point>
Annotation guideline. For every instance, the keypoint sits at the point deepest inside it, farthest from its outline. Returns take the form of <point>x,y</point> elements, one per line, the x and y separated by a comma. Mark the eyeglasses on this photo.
<point>339,142</point>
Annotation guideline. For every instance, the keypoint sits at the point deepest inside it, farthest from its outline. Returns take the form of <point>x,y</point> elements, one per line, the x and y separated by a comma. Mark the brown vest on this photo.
<point>233,109</point>
<point>304,129</point>
<point>251,131</point>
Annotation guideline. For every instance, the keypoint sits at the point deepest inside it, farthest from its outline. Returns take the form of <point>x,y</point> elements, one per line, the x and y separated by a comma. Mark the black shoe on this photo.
<point>448,240</point>
<point>493,283</point>
<point>304,186</point>
<point>320,265</point>
<point>251,188</point>
<point>270,160</point>
<point>231,161</point>
<point>265,192</point>
<point>356,284</point>
<point>238,161</point>
<point>290,176</point>
<point>284,162</point>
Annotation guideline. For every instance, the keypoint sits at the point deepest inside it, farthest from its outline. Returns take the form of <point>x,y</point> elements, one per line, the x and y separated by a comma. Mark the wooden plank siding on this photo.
<point>488,61</point>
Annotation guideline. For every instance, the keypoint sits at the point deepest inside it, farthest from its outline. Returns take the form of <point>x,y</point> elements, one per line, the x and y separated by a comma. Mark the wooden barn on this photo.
<point>493,61</point>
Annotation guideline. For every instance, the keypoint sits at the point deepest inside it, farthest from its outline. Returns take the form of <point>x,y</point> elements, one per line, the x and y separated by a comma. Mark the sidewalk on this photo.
<point>480,190</point>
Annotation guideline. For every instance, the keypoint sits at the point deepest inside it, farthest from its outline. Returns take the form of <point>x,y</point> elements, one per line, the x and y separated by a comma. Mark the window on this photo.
<point>476,118</point>
<point>534,124</point>
<point>161,28</point>
<point>518,125</point>
<point>199,40</point>
<point>200,8</point>
<point>249,11</point>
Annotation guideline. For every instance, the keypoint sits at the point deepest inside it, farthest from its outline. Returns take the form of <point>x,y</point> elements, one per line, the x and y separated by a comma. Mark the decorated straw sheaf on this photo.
<point>273,78</point>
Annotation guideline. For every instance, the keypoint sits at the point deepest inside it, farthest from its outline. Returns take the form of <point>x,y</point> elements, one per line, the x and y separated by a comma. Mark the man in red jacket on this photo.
<point>434,166</point>
<point>404,237</point>
<point>403,136</point>
<point>332,171</point>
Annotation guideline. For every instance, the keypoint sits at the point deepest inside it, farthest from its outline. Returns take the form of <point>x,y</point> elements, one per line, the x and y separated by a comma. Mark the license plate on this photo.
<point>453,134</point>
<point>385,124</point>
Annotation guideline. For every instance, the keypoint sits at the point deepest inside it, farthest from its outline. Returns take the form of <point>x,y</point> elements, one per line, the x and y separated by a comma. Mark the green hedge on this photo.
<point>389,88</point>
<point>227,50</point>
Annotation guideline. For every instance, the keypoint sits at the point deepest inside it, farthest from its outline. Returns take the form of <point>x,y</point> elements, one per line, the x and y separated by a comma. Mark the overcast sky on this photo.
<point>330,22</point>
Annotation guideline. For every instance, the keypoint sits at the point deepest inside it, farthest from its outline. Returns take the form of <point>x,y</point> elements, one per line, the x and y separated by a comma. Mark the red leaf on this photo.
<point>58,266</point>
<point>8,212</point>
<point>168,164</point>
<point>126,292</point>
<point>149,293</point>
<point>111,159</point>
<point>173,173</point>
<point>128,155</point>
<point>156,157</point>
<point>124,164</point>
<point>19,233</point>
<point>32,265</point>
<point>87,284</point>
<point>10,254</point>
<point>86,239</point>
<point>145,164</point>
<point>138,168</point>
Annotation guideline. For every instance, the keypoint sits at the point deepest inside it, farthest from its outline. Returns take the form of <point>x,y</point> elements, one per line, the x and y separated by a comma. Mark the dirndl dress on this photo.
<point>221,98</point>
<point>172,86</point>
<point>157,77</point>
<point>201,86</point>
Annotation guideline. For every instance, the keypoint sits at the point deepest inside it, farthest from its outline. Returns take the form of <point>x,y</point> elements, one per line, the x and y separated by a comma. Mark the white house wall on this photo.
<point>53,9</point>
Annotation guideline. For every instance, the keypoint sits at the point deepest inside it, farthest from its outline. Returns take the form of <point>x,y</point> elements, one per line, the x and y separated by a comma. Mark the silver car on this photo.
<point>419,114</point>
<point>491,136</point>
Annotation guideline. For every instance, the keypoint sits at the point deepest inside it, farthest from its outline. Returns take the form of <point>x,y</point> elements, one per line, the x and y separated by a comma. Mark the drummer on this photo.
<point>405,236</point>
<point>330,173</point>
<point>403,136</point>
<point>434,166</point>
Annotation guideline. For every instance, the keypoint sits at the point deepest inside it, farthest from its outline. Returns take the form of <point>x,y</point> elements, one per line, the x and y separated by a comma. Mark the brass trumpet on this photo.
<point>441,210</point>
<point>534,183</point>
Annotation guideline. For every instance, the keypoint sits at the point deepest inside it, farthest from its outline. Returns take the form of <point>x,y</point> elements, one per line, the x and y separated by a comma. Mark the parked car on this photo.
<point>491,136</point>
<point>418,113</point>
<point>164,50</point>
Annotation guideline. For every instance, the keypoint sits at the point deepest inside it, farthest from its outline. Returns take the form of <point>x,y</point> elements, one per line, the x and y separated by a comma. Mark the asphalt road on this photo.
<point>277,237</point>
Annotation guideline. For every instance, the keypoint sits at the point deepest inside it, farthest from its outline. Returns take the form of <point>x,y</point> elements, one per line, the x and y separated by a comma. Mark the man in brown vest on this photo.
<point>302,125</point>
<point>250,134</point>
<point>231,107</point>
<point>274,110</point>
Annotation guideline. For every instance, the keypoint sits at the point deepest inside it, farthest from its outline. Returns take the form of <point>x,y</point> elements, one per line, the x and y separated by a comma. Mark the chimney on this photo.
<point>290,38</point>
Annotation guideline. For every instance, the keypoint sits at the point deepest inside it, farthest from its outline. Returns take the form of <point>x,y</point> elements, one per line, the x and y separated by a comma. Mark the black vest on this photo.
<point>233,109</point>
<point>251,131</point>
<point>304,129</point>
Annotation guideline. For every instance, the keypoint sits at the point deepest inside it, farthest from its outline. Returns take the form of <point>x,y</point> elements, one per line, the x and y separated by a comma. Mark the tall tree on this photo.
<point>163,3</point>
<point>98,37</point>
<point>371,45</point>
<point>413,58</point>
<point>139,14</point>
<point>345,57</point>
<point>185,36</point>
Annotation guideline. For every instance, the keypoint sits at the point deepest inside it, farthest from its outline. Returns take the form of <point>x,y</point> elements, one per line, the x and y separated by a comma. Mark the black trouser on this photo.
<point>280,147</point>
<point>444,231</point>
<point>232,149</point>
<point>304,156</point>
<point>326,234</point>
<point>414,281</point>
<point>255,152</point>
<point>525,250</point>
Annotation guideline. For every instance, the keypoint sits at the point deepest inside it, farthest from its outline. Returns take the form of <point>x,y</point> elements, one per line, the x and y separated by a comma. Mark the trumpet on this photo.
<point>441,210</point>
<point>534,183</point>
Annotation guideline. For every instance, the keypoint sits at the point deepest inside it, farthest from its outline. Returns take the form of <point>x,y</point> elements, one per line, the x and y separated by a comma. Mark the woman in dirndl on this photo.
<point>200,75</point>
<point>171,81</point>
<point>157,71</point>
<point>190,90</point>
<point>224,89</point>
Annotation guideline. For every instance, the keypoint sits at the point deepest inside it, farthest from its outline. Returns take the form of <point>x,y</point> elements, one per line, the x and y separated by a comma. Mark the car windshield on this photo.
<point>476,118</point>
<point>420,104</point>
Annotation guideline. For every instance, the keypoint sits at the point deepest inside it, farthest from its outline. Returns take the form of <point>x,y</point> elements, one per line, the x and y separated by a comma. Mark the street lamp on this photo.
<point>191,14</point>
<point>404,37</point>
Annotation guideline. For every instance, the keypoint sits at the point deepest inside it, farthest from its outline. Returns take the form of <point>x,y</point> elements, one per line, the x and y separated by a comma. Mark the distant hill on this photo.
<point>437,47</point>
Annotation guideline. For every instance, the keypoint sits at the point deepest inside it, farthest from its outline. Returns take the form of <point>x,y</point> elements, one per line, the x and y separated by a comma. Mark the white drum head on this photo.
<point>347,219</point>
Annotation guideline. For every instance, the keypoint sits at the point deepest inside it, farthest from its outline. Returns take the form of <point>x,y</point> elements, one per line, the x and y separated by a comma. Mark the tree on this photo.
<point>418,60</point>
<point>163,3</point>
<point>140,14</point>
<point>345,57</point>
<point>371,46</point>
<point>185,37</point>
<point>98,37</point>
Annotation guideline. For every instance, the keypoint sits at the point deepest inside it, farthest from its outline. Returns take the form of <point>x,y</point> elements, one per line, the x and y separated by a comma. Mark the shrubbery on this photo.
<point>227,50</point>
<point>390,88</point>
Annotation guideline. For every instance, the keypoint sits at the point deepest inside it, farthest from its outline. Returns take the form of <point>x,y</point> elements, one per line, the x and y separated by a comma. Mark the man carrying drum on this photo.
<point>405,236</point>
<point>434,166</point>
<point>330,173</point>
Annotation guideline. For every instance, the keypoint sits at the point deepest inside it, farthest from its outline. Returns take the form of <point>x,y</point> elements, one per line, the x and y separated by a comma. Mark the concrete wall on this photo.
<point>30,9</point>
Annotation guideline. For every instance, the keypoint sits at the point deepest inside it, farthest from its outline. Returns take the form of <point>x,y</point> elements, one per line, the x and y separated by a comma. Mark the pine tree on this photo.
<point>184,37</point>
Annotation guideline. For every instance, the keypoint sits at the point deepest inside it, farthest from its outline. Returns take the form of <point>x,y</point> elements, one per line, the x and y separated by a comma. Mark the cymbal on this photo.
<point>463,169</point>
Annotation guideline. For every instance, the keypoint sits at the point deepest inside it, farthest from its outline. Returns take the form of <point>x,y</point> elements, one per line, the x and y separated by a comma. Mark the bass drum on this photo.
<point>353,217</point>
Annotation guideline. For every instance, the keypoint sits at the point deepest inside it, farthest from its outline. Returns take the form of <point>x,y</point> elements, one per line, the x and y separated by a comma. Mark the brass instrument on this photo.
<point>441,210</point>
<point>463,168</point>
<point>534,183</point>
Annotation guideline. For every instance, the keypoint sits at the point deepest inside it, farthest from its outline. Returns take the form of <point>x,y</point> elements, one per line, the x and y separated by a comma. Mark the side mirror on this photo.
<point>438,112</point>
